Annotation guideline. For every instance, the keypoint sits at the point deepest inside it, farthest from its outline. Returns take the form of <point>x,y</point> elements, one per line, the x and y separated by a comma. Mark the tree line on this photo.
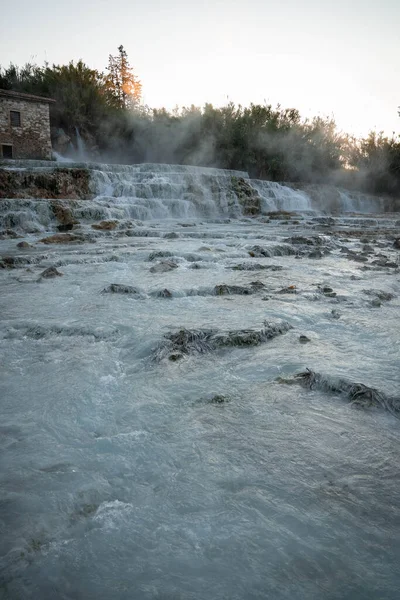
<point>268,142</point>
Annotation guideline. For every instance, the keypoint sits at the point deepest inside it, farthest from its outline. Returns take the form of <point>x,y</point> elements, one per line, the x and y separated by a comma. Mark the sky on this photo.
<point>335,58</point>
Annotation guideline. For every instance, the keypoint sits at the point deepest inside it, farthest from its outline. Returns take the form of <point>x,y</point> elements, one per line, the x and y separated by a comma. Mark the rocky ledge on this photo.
<point>55,183</point>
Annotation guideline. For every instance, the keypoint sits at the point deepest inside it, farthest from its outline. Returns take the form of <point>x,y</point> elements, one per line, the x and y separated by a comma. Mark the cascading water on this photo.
<point>161,435</point>
<point>281,197</point>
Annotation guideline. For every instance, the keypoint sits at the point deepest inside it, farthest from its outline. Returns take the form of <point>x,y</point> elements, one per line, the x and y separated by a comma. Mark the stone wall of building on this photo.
<point>32,138</point>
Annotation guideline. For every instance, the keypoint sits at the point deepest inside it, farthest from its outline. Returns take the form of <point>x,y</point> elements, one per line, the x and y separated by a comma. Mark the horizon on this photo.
<point>337,63</point>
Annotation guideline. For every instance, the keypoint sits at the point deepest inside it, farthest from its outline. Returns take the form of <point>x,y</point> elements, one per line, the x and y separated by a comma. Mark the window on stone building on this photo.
<point>6,151</point>
<point>15,118</point>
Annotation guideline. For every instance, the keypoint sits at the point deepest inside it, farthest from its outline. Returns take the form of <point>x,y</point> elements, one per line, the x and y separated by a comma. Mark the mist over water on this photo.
<point>155,441</point>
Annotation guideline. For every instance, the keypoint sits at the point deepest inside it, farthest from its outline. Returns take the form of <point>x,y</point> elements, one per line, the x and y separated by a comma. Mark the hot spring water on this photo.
<point>155,440</point>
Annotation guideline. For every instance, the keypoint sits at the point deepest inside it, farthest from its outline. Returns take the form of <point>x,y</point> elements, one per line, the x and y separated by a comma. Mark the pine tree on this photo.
<point>122,85</point>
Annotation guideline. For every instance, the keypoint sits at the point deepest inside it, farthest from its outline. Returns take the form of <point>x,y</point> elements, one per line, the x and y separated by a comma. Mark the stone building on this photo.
<point>24,126</point>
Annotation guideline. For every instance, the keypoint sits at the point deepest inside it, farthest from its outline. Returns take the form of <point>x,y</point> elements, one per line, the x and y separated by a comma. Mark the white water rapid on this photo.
<point>161,436</point>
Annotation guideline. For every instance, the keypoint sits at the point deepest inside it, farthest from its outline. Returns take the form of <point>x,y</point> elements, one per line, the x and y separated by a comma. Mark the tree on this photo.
<point>123,87</point>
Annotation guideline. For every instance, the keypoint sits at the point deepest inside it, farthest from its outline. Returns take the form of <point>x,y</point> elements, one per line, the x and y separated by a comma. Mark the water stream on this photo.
<point>201,471</point>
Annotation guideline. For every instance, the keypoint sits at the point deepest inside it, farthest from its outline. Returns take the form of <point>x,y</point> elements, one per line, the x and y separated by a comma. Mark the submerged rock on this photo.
<point>303,339</point>
<point>250,266</point>
<point>315,254</point>
<point>276,215</point>
<point>24,245</point>
<point>279,250</point>
<point>304,241</point>
<point>66,227</point>
<point>118,288</point>
<point>164,266</point>
<point>385,262</point>
<point>380,295</point>
<point>50,273</point>
<point>62,238</point>
<point>357,393</point>
<point>396,244</point>
<point>170,236</point>
<point>7,262</point>
<point>186,341</point>
<point>165,293</point>
<point>7,234</point>
<point>159,254</point>
<point>357,257</point>
<point>105,225</point>
<point>376,303</point>
<point>224,289</point>
<point>218,399</point>
<point>291,289</point>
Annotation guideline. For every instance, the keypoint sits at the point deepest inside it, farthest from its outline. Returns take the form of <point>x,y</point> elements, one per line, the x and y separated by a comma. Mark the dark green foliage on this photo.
<point>268,143</point>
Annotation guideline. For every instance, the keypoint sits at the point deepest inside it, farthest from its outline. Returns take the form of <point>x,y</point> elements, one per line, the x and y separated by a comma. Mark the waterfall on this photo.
<point>281,197</point>
<point>81,151</point>
<point>162,191</point>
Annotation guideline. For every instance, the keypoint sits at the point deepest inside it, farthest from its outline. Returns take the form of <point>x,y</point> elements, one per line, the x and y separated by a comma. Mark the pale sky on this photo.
<point>335,58</point>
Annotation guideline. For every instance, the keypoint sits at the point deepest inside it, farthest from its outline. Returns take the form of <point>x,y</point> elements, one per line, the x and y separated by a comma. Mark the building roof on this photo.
<point>27,97</point>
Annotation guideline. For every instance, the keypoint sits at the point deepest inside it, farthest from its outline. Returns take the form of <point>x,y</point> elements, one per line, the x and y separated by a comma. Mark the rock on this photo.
<point>61,182</point>
<point>376,303</point>
<point>248,197</point>
<point>164,266</point>
<point>257,285</point>
<point>367,249</point>
<point>326,289</point>
<point>357,257</point>
<point>50,273</point>
<point>380,295</point>
<point>105,225</point>
<point>170,236</point>
<point>7,262</point>
<point>303,339</point>
<point>164,294</point>
<point>330,294</point>
<point>304,241</point>
<point>315,254</point>
<point>187,341</point>
<point>276,215</point>
<point>63,214</point>
<point>218,399</point>
<point>396,244</point>
<point>356,393</point>
<point>6,234</point>
<point>66,227</point>
<point>159,254</point>
<point>175,356</point>
<point>24,245</point>
<point>224,289</point>
<point>384,262</point>
<point>250,266</point>
<point>118,288</point>
<point>62,238</point>
<point>324,221</point>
